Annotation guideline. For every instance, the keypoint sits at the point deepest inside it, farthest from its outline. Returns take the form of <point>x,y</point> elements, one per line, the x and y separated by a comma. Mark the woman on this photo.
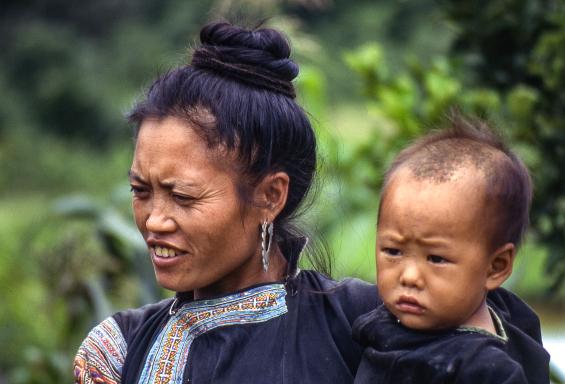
<point>223,159</point>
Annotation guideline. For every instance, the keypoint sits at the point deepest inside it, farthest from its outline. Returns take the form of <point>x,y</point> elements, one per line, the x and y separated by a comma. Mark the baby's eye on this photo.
<point>392,251</point>
<point>435,259</point>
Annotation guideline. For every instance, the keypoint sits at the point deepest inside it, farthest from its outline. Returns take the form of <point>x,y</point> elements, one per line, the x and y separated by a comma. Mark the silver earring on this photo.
<point>266,231</point>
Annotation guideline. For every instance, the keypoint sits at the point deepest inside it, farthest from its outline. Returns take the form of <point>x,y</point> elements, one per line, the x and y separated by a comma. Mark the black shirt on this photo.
<point>396,354</point>
<point>262,334</point>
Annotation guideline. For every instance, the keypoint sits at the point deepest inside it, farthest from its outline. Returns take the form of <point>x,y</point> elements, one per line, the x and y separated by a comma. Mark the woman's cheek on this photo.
<point>138,215</point>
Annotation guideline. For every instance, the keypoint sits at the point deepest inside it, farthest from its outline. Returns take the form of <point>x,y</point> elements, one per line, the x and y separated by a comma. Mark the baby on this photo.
<point>453,211</point>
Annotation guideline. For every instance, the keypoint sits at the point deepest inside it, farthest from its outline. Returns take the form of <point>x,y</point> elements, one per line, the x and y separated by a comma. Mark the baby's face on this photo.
<point>432,253</point>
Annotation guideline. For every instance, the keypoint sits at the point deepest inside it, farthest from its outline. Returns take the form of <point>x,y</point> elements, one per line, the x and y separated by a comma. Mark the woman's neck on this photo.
<point>247,277</point>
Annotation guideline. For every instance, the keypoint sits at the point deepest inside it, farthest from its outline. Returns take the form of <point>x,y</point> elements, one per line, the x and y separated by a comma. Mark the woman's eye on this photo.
<point>435,259</point>
<point>183,199</point>
<point>392,251</point>
<point>137,190</point>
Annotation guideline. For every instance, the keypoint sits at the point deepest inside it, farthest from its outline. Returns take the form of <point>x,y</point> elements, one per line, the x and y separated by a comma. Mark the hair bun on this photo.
<point>259,57</point>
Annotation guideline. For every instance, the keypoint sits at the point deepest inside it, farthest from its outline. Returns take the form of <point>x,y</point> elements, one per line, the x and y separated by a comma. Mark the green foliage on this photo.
<point>401,104</point>
<point>88,262</point>
<point>74,70</point>
<point>523,91</point>
<point>518,50</point>
<point>68,73</point>
<point>405,103</point>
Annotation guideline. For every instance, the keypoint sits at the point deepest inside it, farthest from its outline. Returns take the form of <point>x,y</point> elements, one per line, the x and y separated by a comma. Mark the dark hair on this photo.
<point>241,79</point>
<point>437,155</point>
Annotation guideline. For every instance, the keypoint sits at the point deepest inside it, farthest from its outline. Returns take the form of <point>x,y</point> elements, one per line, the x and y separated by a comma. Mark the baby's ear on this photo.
<point>500,265</point>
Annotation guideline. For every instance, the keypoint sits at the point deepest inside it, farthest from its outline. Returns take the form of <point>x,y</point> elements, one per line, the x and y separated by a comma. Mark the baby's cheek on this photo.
<point>385,283</point>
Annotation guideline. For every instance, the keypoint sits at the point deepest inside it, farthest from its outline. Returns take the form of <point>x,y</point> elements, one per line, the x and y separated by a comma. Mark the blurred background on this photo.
<point>373,76</point>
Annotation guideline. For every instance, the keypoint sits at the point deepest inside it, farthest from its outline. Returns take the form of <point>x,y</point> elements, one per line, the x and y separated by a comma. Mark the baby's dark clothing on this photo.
<point>397,355</point>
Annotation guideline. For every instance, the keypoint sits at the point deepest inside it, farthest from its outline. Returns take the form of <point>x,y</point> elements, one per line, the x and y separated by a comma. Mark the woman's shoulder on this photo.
<point>317,280</point>
<point>130,320</point>
<point>353,296</point>
<point>102,353</point>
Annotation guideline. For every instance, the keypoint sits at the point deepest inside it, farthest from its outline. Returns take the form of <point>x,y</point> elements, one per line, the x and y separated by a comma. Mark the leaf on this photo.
<point>76,206</point>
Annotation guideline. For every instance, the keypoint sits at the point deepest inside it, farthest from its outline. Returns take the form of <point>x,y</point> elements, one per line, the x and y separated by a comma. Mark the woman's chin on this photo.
<point>173,283</point>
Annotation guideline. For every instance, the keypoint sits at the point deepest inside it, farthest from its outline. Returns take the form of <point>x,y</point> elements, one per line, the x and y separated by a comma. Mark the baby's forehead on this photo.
<point>462,175</point>
<point>444,160</point>
<point>454,207</point>
<point>465,186</point>
<point>450,164</point>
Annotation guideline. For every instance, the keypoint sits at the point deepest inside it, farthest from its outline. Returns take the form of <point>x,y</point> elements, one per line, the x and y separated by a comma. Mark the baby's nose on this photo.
<point>411,276</point>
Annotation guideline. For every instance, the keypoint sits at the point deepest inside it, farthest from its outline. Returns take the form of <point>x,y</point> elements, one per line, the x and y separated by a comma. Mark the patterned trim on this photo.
<point>168,356</point>
<point>101,356</point>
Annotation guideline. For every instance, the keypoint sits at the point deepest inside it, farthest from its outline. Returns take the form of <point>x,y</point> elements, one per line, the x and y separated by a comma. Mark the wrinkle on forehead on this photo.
<point>200,123</point>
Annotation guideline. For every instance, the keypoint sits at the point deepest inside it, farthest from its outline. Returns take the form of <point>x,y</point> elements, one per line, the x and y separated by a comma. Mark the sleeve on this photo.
<point>491,366</point>
<point>101,356</point>
<point>357,297</point>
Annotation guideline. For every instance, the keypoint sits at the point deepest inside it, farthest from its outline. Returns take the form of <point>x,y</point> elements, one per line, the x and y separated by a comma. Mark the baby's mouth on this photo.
<point>409,304</point>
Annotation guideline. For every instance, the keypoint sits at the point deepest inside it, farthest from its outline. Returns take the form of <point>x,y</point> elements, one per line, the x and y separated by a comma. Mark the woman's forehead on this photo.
<point>172,146</point>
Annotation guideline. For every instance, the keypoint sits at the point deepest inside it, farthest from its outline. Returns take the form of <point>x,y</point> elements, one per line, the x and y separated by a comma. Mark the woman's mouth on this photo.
<point>166,257</point>
<point>408,304</point>
<point>164,251</point>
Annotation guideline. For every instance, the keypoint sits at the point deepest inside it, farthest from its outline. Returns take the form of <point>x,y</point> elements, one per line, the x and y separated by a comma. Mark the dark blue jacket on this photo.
<point>394,354</point>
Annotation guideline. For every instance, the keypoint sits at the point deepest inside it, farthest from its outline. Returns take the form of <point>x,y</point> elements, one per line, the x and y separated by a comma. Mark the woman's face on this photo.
<point>186,206</point>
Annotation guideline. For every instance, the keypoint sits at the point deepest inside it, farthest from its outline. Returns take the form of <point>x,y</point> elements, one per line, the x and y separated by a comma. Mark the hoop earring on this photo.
<point>266,231</point>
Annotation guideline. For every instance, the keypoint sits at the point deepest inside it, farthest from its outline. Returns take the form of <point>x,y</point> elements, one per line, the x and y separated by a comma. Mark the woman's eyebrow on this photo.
<point>132,176</point>
<point>170,184</point>
<point>178,184</point>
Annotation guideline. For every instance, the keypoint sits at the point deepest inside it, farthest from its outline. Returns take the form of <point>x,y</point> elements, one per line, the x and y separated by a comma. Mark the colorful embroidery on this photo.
<point>168,356</point>
<point>101,356</point>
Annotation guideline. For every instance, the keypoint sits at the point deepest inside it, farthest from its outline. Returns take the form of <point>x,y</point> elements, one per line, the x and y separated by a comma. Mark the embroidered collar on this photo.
<point>169,352</point>
<point>182,299</point>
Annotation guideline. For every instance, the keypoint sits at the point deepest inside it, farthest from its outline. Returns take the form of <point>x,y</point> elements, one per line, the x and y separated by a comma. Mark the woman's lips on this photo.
<point>164,257</point>
<point>164,251</point>
<point>408,304</point>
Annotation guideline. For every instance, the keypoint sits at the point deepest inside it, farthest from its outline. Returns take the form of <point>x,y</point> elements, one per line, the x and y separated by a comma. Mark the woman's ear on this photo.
<point>500,265</point>
<point>271,193</point>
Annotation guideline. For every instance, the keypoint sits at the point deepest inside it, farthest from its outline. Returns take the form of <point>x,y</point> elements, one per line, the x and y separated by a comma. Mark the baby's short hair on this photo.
<point>472,142</point>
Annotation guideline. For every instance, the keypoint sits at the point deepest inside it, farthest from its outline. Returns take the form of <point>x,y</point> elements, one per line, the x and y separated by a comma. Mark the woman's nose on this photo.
<point>411,276</point>
<point>159,220</point>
